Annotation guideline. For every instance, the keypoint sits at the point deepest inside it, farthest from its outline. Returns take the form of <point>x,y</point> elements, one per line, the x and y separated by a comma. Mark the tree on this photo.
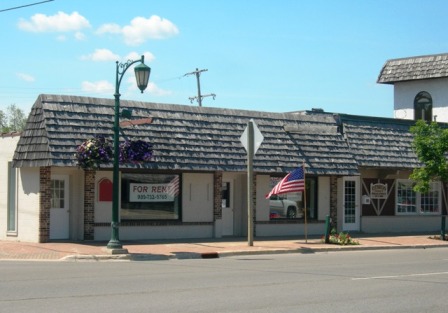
<point>14,120</point>
<point>3,122</point>
<point>431,146</point>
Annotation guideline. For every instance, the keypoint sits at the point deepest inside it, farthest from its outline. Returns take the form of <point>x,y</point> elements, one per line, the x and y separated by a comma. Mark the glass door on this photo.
<point>350,203</point>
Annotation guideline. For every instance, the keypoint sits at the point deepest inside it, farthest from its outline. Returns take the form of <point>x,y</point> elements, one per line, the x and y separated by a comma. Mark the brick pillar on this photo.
<point>44,203</point>
<point>334,201</point>
<point>89,204</point>
<point>217,205</point>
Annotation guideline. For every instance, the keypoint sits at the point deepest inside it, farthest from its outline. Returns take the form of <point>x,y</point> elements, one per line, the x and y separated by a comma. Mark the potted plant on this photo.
<point>137,151</point>
<point>94,152</point>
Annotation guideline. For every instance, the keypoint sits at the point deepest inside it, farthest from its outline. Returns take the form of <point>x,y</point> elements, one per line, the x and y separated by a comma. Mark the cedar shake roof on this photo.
<point>185,137</point>
<point>380,142</point>
<point>414,68</point>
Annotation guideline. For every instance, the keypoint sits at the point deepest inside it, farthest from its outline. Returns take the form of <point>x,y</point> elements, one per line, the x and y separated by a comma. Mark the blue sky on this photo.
<point>276,56</point>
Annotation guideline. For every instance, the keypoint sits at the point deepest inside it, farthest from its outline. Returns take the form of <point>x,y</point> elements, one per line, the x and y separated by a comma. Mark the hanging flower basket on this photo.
<point>138,151</point>
<point>94,152</point>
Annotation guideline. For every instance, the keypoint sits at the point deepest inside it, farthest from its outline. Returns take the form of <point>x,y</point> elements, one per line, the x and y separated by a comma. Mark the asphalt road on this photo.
<point>411,280</point>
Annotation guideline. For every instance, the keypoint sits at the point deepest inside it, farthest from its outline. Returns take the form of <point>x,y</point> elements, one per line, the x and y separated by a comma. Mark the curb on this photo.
<point>223,254</point>
<point>105,257</point>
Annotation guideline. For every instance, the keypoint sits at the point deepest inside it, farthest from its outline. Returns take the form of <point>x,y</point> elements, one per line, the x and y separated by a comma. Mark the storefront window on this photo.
<point>429,202</point>
<point>150,196</point>
<point>406,197</point>
<point>291,205</point>
<point>411,202</point>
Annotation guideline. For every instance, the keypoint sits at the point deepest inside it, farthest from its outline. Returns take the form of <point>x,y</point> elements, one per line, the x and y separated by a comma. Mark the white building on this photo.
<point>420,86</point>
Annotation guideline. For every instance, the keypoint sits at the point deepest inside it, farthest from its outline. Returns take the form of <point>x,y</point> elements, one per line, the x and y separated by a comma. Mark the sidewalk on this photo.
<point>201,248</point>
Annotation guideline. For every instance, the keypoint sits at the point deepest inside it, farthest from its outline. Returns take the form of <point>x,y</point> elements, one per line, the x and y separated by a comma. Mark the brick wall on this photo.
<point>89,204</point>
<point>44,203</point>
<point>217,206</point>
<point>334,201</point>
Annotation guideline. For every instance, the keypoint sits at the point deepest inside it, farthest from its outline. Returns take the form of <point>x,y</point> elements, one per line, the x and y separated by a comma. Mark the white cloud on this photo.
<point>101,55</point>
<point>106,55</point>
<point>156,91</point>
<point>149,57</point>
<point>61,38</point>
<point>109,28</point>
<point>101,86</point>
<point>25,77</point>
<point>141,29</point>
<point>80,36</point>
<point>152,88</point>
<point>60,22</point>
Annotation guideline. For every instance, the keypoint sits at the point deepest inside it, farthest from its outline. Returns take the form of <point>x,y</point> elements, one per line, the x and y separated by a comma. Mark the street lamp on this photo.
<point>142,76</point>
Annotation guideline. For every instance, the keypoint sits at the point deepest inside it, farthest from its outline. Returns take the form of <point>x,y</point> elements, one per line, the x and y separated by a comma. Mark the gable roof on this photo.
<point>184,137</point>
<point>380,142</point>
<point>414,68</point>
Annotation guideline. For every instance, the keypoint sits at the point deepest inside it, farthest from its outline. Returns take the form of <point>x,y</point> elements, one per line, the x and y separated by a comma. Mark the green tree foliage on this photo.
<point>431,146</point>
<point>14,120</point>
<point>3,121</point>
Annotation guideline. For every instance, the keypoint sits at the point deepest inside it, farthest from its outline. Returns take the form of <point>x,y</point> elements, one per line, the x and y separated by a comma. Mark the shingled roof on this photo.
<point>380,142</point>
<point>414,68</point>
<point>185,137</point>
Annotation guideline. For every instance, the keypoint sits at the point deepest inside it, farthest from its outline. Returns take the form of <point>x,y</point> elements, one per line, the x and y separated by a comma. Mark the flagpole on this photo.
<point>304,202</point>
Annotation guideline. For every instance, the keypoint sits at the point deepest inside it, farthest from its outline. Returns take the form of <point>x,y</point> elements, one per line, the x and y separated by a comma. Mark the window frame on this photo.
<point>422,99</point>
<point>311,199</point>
<point>417,196</point>
<point>125,197</point>
<point>12,222</point>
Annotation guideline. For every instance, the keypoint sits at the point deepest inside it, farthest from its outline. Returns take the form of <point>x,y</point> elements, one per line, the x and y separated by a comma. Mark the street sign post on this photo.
<point>251,140</point>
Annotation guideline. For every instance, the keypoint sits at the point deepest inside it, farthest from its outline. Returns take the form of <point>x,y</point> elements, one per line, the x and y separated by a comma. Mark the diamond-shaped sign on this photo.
<point>258,137</point>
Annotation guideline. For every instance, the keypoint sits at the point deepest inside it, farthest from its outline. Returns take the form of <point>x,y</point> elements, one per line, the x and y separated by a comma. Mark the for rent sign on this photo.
<point>151,193</point>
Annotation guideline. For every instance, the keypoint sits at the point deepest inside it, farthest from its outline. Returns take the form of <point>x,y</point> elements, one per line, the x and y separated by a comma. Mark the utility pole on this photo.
<point>199,96</point>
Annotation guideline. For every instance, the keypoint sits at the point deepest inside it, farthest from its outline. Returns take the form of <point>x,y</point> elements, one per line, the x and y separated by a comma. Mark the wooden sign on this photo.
<point>146,120</point>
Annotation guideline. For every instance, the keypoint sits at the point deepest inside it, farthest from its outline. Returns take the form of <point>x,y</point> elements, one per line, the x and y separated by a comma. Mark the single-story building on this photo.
<point>383,151</point>
<point>356,172</point>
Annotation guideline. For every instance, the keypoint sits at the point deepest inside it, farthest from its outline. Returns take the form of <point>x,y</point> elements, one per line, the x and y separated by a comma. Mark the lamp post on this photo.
<point>142,72</point>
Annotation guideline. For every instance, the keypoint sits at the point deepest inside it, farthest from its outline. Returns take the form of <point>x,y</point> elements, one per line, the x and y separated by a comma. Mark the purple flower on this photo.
<point>94,152</point>
<point>135,151</point>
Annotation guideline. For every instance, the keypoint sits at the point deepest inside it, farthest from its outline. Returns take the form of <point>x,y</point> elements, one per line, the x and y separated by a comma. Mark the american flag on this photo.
<point>173,187</point>
<point>293,182</point>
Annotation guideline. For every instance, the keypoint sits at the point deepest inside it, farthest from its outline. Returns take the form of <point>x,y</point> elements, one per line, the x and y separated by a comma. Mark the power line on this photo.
<point>199,96</point>
<point>24,6</point>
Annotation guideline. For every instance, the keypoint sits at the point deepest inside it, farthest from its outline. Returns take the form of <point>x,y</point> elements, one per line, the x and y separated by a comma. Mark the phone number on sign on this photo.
<point>152,197</point>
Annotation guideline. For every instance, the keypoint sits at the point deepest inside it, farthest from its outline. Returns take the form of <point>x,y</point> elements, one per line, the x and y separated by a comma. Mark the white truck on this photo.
<point>280,207</point>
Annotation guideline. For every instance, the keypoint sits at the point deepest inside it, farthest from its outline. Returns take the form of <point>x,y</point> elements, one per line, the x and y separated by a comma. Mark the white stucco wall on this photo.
<point>103,209</point>
<point>197,197</point>
<point>323,194</point>
<point>28,204</point>
<point>8,144</point>
<point>405,92</point>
